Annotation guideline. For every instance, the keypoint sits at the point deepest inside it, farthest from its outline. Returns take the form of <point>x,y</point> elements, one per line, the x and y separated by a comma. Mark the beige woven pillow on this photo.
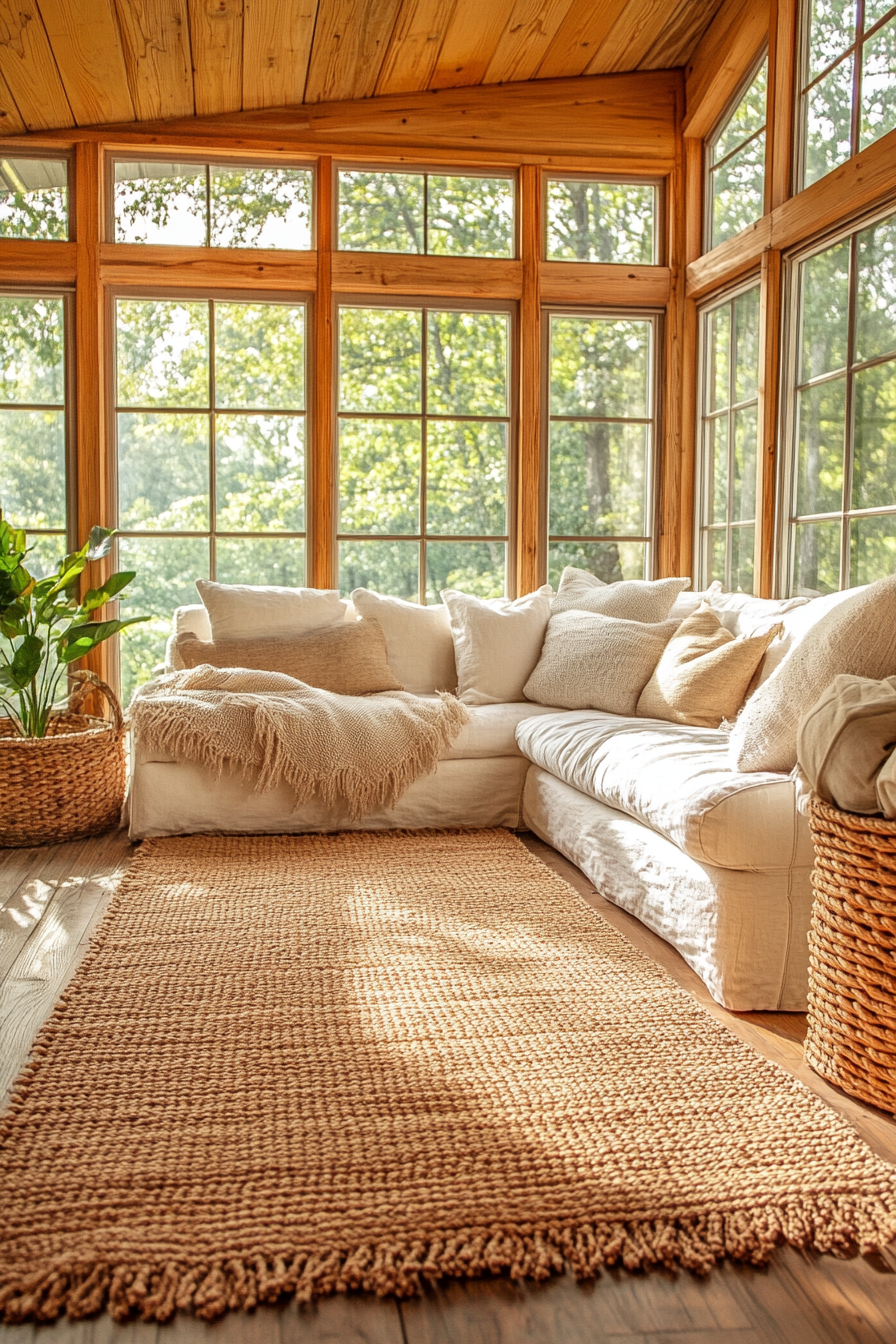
<point>348,659</point>
<point>704,672</point>
<point>591,661</point>
<point>630,599</point>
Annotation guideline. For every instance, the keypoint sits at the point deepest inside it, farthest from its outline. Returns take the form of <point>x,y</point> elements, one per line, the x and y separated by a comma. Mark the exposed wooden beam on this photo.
<point>23,262</point>
<point>28,67</point>
<point>216,35</point>
<point>350,44</point>
<point>721,60</point>
<point>84,38</point>
<point>462,277</point>
<point>225,268</point>
<point>277,37</point>
<point>597,283</point>
<point>415,44</point>
<point>155,39</point>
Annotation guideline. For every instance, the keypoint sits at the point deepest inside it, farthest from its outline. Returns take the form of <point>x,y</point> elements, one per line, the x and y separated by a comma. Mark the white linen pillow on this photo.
<point>246,611</point>
<point>648,600</point>
<point>419,646</point>
<point>497,643</point>
<point>797,624</point>
<point>590,661</point>
<point>744,614</point>
<point>856,636</point>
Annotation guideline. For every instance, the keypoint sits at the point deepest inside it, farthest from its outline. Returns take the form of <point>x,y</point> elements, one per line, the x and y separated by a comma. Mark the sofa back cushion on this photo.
<point>244,611</point>
<point>591,661</point>
<point>629,599</point>
<point>348,659</point>
<point>497,643</point>
<point>419,645</point>
<point>856,635</point>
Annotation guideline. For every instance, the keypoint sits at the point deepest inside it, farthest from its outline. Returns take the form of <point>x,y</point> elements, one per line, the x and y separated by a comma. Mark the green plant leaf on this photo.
<point>68,570</point>
<point>78,640</point>
<point>100,543</point>
<point>25,663</point>
<point>97,596</point>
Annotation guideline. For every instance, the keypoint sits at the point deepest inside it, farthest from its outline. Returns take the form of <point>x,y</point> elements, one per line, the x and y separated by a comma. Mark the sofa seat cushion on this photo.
<point>675,778</point>
<point>491,731</point>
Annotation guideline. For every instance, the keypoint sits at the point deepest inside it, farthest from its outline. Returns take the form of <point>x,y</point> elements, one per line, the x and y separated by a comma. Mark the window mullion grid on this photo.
<point>848,432</point>
<point>212,429</point>
<point>856,110</point>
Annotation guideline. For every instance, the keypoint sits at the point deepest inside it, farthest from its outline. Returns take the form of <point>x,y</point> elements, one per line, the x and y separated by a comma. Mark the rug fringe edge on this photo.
<point>840,1225</point>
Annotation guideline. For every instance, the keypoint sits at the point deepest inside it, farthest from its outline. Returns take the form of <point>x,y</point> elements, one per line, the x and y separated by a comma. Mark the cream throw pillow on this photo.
<point>704,672</point>
<point>243,611</point>
<point>419,645</point>
<point>496,643</point>
<point>857,636</point>
<point>630,599</point>
<point>348,659</point>
<point>591,661</point>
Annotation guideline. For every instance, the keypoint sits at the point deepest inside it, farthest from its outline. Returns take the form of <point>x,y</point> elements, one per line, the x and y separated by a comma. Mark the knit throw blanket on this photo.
<point>363,750</point>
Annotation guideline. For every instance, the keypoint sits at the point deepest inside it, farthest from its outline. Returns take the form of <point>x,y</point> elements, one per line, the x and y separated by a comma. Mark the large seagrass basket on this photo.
<point>69,784</point>
<point>852,954</point>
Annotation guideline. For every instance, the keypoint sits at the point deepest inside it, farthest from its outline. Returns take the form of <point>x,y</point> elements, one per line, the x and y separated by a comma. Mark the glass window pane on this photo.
<point>717,556</point>
<point>746,428</point>
<point>824,312</point>
<point>32,468</point>
<point>379,476</point>
<point>821,414</point>
<point>600,366</point>
<point>743,545</point>
<point>33,198</point>
<point>832,25</point>
<point>278,560</point>
<point>878,115</point>
<point>738,189</point>
<point>476,567</point>
<point>466,363</point>
<point>715,448</point>
<point>872,548</point>
<point>601,221</point>
<point>466,478</point>
<point>875,10</point>
<point>167,570</point>
<point>44,553</point>
<point>163,471</point>
<point>470,216</point>
<point>876,290</point>
<point>746,119</point>
<point>260,207</point>
<point>161,203</point>
<point>390,567</point>
<point>608,560</point>
<point>718,324</point>
<point>32,341</point>
<point>598,475</point>
<point>162,353</point>
<point>379,359</point>
<point>260,355</point>
<point>381,212</point>
<point>874,430</point>
<point>746,351</point>
<point>260,473</point>
<point>827,114</point>
<point>816,558</point>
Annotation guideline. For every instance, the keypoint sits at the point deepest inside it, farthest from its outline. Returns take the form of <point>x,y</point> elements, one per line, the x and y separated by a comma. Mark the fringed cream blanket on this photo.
<point>365,750</point>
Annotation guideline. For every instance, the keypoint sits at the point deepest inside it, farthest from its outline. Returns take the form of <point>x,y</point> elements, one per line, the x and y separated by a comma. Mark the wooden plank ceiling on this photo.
<point>66,63</point>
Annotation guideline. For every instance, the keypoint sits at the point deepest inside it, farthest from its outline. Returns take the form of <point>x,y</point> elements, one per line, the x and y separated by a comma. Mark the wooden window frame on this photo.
<point>717,130</point>
<point>67,157</point>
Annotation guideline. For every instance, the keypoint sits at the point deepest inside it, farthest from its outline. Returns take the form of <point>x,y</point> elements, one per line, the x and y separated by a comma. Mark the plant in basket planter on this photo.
<point>62,771</point>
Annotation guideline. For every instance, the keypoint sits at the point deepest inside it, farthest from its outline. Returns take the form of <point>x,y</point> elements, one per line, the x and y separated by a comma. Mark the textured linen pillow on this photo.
<point>496,643</point>
<point>243,611</point>
<point>630,599</point>
<point>857,636</point>
<point>704,672</point>
<point>418,640</point>
<point>591,661</point>
<point>744,614</point>
<point>349,658</point>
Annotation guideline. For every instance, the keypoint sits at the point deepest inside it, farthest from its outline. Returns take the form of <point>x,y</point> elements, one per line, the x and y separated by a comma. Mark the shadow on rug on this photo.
<point>302,1065</point>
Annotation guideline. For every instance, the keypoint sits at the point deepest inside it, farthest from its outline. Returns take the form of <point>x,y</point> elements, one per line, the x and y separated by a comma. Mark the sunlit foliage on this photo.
<point>736,181</point>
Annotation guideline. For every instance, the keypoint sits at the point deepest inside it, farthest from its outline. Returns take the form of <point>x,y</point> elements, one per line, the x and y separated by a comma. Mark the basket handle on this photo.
<point>89,681</point>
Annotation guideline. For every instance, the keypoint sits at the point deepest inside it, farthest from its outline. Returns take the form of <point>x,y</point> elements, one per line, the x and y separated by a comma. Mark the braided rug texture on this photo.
<point>301,1065</point>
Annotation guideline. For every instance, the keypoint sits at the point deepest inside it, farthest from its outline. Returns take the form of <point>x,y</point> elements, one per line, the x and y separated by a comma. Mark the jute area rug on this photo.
<point>301,1065</point>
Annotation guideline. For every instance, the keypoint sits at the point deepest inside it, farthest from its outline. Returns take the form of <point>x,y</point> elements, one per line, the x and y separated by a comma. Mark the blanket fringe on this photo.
<point>842,1225</point>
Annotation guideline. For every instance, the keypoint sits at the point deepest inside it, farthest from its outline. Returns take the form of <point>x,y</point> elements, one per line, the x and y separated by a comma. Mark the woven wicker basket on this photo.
<point>852,954</point>
<point>69,784</point>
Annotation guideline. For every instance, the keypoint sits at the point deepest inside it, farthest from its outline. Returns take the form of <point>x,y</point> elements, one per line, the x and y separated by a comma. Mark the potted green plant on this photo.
<point>62,772</point>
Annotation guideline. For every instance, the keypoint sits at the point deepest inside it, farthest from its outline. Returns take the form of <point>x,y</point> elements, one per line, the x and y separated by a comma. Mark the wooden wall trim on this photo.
<point>322,486</point>
<point>531,555</point>
<point>781,92</point>
<point>25,262</point>
<point>452,277</point>
<point>770,338</point>
<point>675,501</point>
<point>720,61</point>
<point>575,282</point>
<point>189,267</point>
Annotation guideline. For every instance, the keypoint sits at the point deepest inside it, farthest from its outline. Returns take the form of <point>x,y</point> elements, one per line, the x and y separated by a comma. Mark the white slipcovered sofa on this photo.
<point>715,861</point>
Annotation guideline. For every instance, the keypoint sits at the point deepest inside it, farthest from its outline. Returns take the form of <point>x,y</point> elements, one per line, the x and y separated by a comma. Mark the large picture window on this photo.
<point>601,428</point>
<point>729,435</point>
<point>210,422</point>
<point>843,514</point>
<point>424,397</point>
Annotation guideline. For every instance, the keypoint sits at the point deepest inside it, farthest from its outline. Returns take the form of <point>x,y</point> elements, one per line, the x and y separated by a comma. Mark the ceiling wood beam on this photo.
<point>155,39</point>
<point>28,67</point>
<point>277,37</point>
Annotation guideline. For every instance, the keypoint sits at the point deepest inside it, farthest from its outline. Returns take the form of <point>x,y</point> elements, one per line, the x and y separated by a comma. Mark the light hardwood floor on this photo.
<point>51,900</point>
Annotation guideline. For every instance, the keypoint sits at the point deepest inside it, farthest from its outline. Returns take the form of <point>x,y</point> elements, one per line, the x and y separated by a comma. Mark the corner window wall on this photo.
<point>729,436</point>
<point>424,400</point>
<point>210,422</point>
<point>843,448</point>
<point>848,81</point>
<point>735,164</point>
<point>601,431</point>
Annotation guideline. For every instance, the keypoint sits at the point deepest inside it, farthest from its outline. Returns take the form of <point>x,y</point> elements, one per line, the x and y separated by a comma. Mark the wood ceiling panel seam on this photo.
<point>216,43</point>
<point>277,40</point>
<point>414,47</point>
<point>680,34</point>
<point>29,66</point>
<point>630,38</point>
<point>470,42</point>
<point>155,40</point>
<point>350,44</point>
<point>11,120</point>
<point>578,39</point>
<point>532,26</point>
<point>85,40</point>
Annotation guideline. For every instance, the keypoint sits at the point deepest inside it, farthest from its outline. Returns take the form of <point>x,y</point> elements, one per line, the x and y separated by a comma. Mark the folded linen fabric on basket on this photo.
<point>364,749</point>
